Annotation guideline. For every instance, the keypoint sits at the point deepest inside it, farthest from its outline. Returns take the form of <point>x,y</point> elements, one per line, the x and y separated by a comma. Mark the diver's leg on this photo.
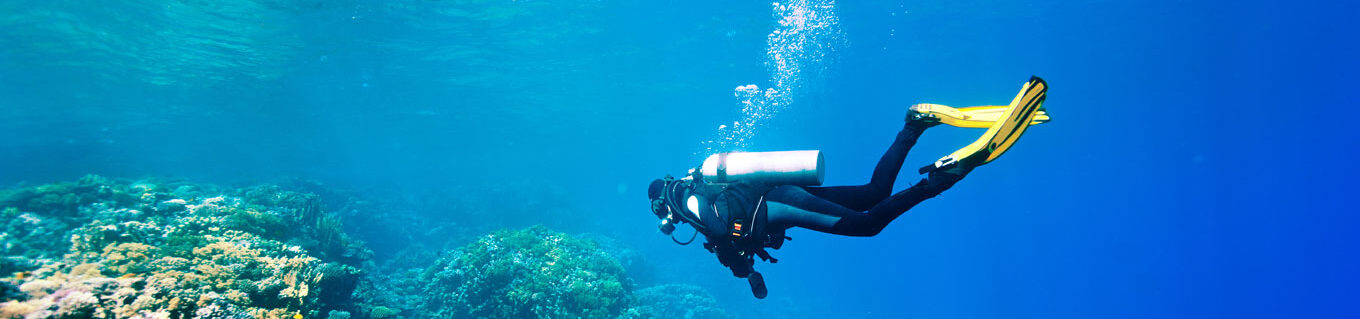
<point>878,217</point>
<point>864,197</point>
<point>793,206</point>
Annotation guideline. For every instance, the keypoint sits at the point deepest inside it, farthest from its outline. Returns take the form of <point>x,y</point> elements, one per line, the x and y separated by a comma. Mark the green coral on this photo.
<point>38,220</point>
<point>381,312</point>
<point>534,272</point>
<point>66,199</point>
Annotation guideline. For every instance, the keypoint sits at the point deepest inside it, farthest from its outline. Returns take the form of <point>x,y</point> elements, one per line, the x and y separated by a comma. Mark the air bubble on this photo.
<point>807,33</point>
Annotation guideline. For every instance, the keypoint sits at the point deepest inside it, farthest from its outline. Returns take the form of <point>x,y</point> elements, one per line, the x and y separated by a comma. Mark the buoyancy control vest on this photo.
<point>734,216</point>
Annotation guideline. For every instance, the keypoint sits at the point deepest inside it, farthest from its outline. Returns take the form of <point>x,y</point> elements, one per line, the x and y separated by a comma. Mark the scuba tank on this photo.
<point>801,168</point>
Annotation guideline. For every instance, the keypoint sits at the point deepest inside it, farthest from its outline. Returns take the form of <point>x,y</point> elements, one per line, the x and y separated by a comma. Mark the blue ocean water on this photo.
<point>1197,165</point>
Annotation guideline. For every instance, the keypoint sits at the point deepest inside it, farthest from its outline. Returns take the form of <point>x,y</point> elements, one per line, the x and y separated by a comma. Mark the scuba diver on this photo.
<point>743,202</point>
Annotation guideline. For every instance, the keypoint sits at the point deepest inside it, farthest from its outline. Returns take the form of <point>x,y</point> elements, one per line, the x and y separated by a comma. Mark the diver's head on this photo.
<point>660,206</point>
<point>654,190</point>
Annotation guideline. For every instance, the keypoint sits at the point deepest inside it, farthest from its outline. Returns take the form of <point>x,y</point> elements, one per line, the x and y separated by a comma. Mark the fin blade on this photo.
<point>973,116</point>
<point>1001,134</point>
<point>1018,119</point>
<point>986,115</point>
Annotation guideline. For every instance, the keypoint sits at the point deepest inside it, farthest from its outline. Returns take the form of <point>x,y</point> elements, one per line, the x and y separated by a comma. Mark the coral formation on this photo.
<point>148,249</point>
<point>105,248</point>
<point>37,220</point>
<point>533,272</point>
<point>676,301</point>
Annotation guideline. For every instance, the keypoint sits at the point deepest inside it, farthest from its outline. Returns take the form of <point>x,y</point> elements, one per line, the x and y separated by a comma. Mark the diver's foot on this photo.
<point>960,168</point>
<point>919,118</point>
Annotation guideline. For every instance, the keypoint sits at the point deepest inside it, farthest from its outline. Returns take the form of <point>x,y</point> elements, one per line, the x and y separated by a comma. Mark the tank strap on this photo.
<point>722,167</point>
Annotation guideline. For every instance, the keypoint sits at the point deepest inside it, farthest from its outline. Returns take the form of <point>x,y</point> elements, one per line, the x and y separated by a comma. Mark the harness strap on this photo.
<point>759,202</point>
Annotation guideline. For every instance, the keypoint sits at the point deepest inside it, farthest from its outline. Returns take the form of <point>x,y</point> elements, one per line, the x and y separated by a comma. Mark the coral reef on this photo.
<point>676,301</point>
<point>38,220</point>
<point>634,261</point>
<point>174,250</point>
<point>530,273</point>
<point>106,248</point>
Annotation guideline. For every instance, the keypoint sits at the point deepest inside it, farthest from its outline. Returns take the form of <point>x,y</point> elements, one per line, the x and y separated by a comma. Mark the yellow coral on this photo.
<point>298,291</point>
<point>15,310</point>
<point>237,296</point>
<point>296,288</point>
<point>85,271</point>
<point>128,258</point>
<point>171,263</point>
<point>223,274</point>
<point>224,250</point>
<point>39,288</point>
<point>129,250</point>
<point>261,313</point>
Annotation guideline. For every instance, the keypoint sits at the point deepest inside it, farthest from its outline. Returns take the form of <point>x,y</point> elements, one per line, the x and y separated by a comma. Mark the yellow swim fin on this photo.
<point>1003,133</point>
<point>971,117</point>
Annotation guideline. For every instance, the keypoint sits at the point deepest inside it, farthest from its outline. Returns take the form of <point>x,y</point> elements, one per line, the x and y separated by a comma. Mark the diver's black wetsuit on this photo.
<point>741,220</point>
<point>859,210</point>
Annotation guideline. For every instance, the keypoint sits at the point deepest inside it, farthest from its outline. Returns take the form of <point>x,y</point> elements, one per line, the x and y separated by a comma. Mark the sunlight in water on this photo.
<point>807,34</point>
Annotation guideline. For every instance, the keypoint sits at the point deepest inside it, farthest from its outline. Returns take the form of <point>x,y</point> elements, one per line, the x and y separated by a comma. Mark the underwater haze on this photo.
<point>1197,164</point>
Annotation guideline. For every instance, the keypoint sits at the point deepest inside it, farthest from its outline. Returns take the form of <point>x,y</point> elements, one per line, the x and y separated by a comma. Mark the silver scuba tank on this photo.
<point>802,168</point>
